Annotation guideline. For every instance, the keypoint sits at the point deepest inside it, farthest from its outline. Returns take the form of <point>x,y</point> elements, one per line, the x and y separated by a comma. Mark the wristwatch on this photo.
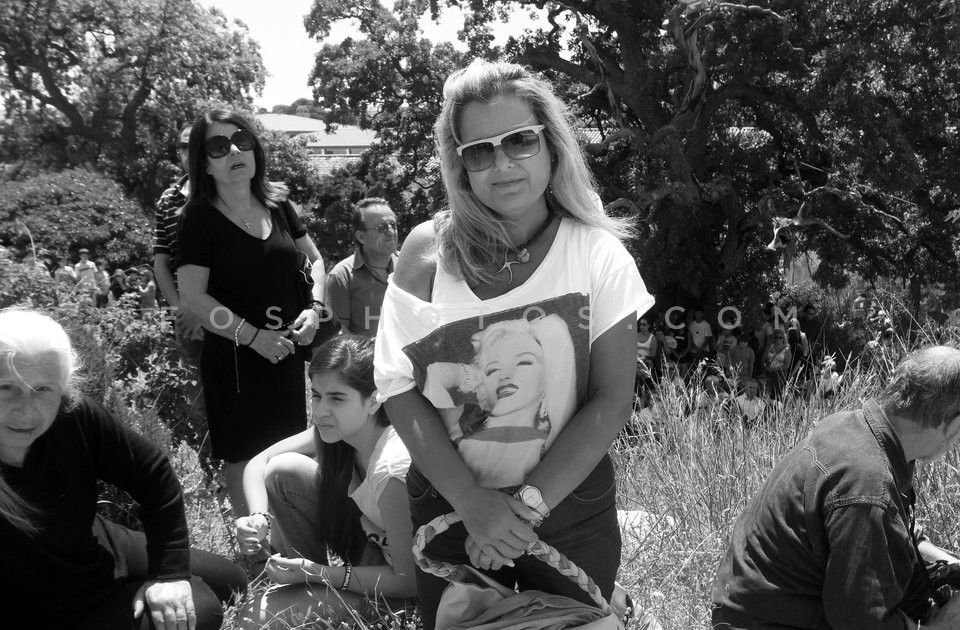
<point>531,497</point>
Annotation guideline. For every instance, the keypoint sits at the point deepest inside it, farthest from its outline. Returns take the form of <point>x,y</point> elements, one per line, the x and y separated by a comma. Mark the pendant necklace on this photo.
<point>246,224</point>
<point>522,253</point>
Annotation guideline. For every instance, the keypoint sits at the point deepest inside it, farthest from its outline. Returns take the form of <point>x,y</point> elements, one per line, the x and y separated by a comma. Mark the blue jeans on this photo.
<point>583,527</point>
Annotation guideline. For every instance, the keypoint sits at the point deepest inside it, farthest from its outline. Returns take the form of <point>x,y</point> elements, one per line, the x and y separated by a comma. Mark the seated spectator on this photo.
<point>829,541</point>
<point>667,348</point>
<point>646,351</point>
<point>777,363</point>
<point>699,339</point>
<point>67,566</point>
<point>726,342</point>
<point>749,404</point>
<point>741,360</point>
<point>339,486</point>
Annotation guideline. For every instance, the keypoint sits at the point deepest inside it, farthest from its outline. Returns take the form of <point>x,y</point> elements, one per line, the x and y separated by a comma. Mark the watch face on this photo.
<point>531,496</point>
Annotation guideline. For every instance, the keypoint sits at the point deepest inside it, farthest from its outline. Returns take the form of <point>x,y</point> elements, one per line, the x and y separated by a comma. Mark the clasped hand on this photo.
<point>273,345</point>
<point>250,531</point>
<point>304,327</point>
<point>497,528</point>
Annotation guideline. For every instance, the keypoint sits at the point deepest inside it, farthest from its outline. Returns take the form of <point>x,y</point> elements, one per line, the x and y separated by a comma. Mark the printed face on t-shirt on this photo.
<point>513,374</point>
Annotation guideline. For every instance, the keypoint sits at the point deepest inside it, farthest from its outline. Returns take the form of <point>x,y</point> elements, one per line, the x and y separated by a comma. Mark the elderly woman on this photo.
<point>238,272</point>
<point>66,566</point>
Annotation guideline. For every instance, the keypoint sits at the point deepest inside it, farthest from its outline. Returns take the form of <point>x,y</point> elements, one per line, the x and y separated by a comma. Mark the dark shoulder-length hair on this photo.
<point>202,185</point>
<point>350,357</point>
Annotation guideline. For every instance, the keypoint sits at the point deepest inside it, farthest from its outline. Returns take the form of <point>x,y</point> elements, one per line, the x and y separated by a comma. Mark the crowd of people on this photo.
<point>134,287</point>
<point>485,370</point>
<point>753,368</point>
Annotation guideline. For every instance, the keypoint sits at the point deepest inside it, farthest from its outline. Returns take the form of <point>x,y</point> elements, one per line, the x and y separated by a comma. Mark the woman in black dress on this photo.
<point>238,272</point>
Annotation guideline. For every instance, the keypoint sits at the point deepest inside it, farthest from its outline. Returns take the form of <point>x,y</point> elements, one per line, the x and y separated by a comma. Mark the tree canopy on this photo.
<point>715,124</point>
<point>108,82</point>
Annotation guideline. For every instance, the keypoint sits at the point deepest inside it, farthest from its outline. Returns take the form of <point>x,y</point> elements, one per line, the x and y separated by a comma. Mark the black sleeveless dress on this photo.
<point>251,403</point>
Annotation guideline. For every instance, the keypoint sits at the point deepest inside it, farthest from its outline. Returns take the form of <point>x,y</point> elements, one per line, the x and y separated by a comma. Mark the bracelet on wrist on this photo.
<point>256,331</point>
<point>268,517</point>
<point>348,570</point>
<point>236,332</point>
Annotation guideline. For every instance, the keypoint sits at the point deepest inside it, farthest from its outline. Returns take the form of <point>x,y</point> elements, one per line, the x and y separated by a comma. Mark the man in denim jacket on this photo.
<point>827,542</point>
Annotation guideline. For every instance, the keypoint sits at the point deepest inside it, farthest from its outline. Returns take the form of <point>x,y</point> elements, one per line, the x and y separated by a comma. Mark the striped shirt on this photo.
<point>168,217</point>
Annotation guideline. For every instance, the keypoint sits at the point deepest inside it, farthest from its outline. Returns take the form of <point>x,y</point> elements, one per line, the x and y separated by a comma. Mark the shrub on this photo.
<point>62,212</point>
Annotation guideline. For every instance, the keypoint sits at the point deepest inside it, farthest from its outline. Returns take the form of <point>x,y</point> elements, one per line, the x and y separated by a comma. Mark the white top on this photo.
<point>699,331</point>
<point>507,373</point>
<point>390,460</point>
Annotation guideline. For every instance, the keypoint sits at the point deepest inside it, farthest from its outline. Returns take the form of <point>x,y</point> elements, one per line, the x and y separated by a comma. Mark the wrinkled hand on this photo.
<point>250,531</point>
<point>188,325</point>
<point>170,604</point>
<point>292,570</point>
<point>273,345</point>
<point>304,327</point>
<point>495,523</point>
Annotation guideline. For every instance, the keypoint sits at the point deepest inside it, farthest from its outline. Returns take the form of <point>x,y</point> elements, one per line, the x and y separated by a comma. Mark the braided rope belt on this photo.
<point>540,550</point>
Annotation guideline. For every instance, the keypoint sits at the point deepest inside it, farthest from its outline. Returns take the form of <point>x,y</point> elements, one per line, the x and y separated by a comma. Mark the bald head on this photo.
<point>925,388</point>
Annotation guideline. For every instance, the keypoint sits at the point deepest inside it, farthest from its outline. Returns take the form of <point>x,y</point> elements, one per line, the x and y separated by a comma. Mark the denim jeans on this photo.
<point>292,490</point>
<point>583,527</point>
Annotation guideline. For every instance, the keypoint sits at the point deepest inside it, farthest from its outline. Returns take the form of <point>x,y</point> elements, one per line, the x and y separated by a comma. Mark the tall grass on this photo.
<point>694,472</point>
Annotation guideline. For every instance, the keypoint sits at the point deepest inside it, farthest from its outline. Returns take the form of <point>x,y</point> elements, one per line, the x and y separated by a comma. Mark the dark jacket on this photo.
<point>826,543</point>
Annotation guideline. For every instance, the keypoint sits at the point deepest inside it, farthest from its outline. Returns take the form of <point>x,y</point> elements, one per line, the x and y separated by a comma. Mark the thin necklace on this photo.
<point>522,253</point>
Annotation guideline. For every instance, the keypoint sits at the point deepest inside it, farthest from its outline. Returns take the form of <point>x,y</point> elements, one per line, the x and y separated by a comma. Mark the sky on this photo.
<point>288,52</point>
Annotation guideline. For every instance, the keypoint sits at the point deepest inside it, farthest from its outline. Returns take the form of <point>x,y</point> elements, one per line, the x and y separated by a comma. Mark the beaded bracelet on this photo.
<point>348,570</point>
<point>236,332</point>
<point>267,516</point>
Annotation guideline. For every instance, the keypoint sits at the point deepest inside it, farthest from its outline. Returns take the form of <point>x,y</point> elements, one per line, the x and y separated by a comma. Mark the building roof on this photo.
<point>293,125</point>
<point>314,131</point>
<point>343,136</point>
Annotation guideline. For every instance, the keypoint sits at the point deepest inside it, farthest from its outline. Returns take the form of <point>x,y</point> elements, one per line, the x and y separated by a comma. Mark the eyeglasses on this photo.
<point>219,146</point>
<point>383,228</point>
<point>517,144</point>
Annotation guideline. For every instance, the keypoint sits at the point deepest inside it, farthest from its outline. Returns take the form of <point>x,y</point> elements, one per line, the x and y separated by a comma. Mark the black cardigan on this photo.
<point>63,569</point>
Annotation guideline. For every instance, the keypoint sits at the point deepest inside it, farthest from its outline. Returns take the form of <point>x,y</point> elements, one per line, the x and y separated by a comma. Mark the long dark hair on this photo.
<point>202,185</point>
<point>350,357</point>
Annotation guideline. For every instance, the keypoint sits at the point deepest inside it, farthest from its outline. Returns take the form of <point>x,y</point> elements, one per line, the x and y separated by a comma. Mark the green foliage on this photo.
<point>62,212</point>
<point>111,81</point>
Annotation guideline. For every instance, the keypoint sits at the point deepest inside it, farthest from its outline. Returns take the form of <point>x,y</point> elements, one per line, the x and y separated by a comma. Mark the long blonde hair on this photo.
<point>31,333</point>
<point>469,235</point>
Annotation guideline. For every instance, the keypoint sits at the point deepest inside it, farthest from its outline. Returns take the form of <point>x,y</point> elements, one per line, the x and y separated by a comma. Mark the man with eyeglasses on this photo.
<point>187,326</point>
<point>830,541</point>
<point>356,284</point>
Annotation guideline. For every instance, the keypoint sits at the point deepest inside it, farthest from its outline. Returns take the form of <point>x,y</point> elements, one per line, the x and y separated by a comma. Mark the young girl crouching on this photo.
<point>337,487</point>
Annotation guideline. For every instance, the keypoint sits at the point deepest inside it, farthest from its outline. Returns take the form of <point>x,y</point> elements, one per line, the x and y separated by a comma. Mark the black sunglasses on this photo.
<point>219,146</point>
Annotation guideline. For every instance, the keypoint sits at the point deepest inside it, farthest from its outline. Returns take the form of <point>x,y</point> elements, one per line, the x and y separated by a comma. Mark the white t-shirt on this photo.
<point>699,331</point>
<point>390,460</point>
<point>507,373</point>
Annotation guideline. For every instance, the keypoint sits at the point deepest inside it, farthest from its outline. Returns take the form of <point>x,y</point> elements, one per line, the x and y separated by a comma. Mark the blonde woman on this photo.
<point>524,237</point>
